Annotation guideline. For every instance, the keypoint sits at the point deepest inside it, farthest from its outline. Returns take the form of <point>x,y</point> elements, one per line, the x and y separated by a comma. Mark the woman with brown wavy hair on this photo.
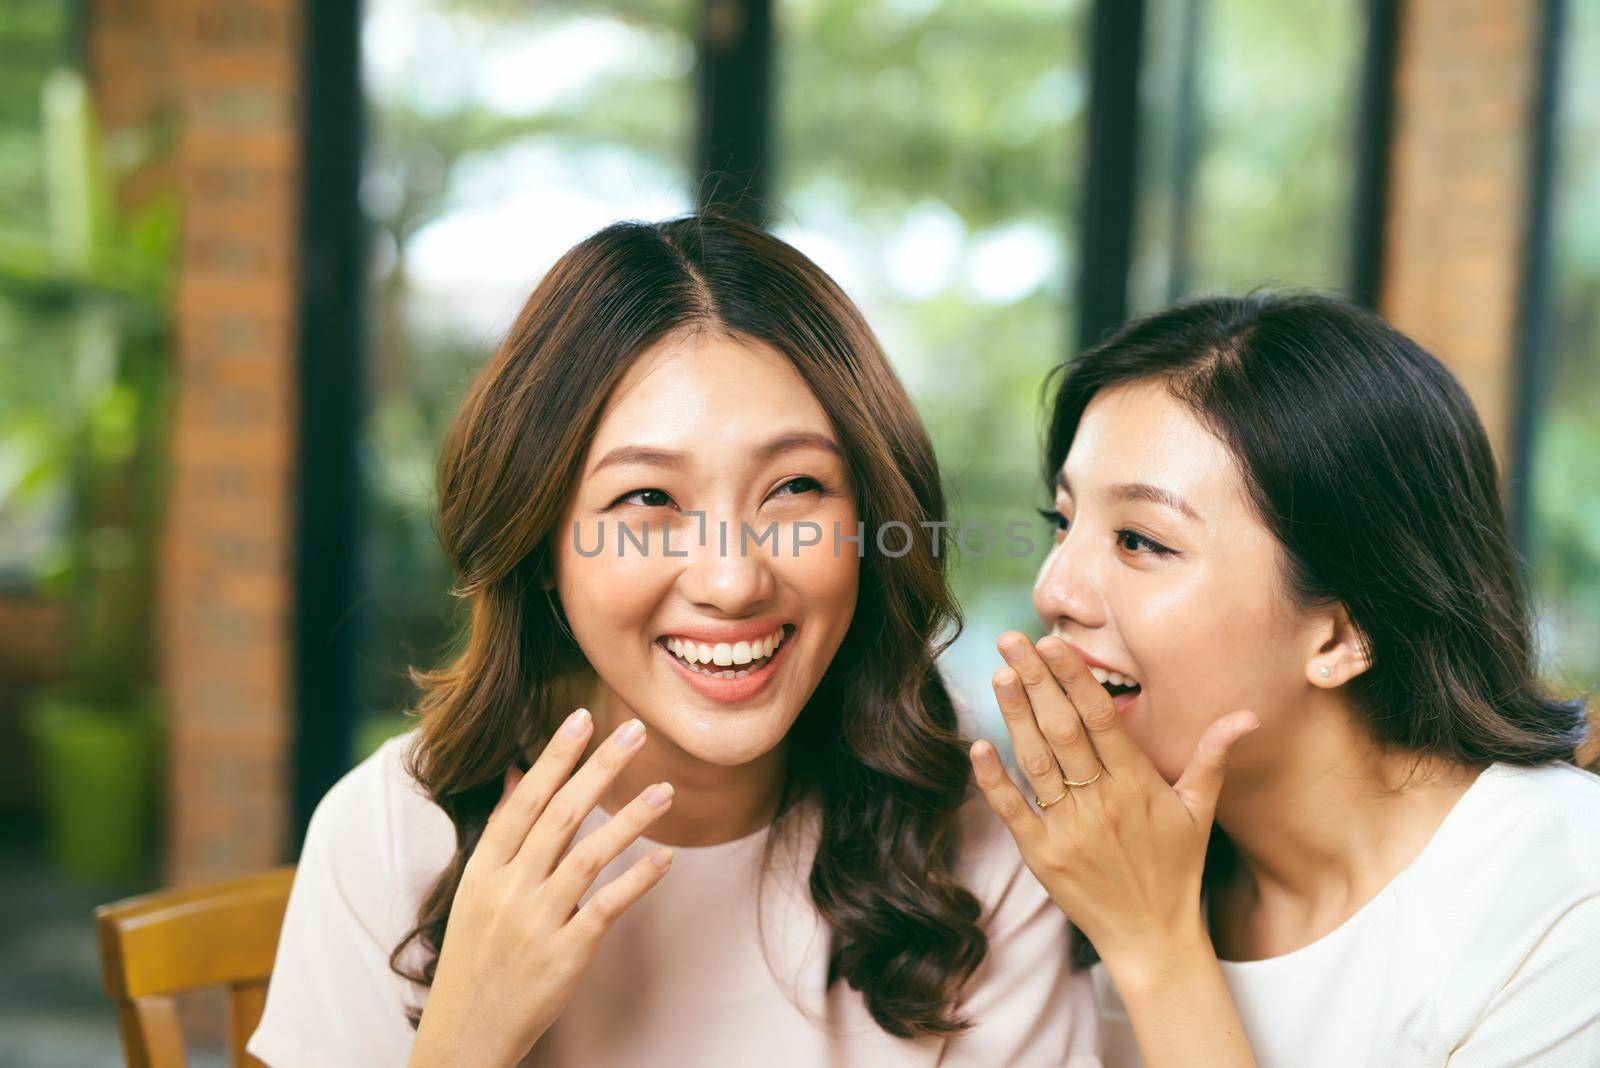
<point>689,495</point>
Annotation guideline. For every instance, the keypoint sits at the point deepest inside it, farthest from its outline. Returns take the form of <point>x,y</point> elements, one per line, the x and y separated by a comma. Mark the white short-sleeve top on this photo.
<point>1483,952</point>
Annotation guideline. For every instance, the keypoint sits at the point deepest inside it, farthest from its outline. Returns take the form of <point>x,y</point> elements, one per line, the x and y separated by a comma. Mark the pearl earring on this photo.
<point>1324,671</point>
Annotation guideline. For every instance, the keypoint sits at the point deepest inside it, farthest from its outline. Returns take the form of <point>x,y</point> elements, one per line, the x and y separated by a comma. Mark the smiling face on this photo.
<point>1164,574</point>
<point>707,423</point>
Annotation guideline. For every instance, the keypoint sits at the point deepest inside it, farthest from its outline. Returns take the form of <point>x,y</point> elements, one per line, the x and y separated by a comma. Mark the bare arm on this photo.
<point>1179,1005</point>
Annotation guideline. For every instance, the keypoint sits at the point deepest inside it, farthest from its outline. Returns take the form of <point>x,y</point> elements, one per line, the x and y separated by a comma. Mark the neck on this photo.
<point>1320,824</point>
<point>711,803</point>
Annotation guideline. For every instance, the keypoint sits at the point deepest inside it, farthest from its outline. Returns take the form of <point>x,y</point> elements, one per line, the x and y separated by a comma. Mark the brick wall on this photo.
<point>1458,198</point>
<point>226,71</point>
<point>1458,187</point>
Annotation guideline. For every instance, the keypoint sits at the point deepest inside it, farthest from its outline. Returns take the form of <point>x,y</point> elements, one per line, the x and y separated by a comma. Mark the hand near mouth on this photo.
<point>1117,848</point>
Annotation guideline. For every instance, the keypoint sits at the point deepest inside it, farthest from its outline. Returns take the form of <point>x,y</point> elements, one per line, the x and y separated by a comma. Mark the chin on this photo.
<point>1159,747</point>
<point>720,737</point>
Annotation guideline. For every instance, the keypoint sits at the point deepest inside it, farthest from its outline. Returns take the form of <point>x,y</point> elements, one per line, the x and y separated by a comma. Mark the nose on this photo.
<point>724,577</point>
<point>1068,590</point>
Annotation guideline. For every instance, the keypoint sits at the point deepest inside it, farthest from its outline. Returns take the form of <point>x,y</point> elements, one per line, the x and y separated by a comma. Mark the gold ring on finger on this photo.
<point>1053,800</point>
<point>1087,782</point>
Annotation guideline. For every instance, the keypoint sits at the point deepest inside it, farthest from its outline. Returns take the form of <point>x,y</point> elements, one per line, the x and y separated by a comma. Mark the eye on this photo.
<point>796,486</point>
<point>1134,542</point>
<point>645,498</point>
<point>1055,519</point>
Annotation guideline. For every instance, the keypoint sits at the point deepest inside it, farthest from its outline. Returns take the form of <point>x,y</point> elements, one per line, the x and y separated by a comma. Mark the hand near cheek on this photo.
<point>1117,848</point>
<point>521,936</point>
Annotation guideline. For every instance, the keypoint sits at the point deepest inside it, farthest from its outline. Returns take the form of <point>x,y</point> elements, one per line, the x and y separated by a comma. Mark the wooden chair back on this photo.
<point>156,945</point>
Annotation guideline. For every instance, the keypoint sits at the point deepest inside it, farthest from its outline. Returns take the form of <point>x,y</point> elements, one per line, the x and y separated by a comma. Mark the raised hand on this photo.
<point>1117,848</point>
<point>517,942</point>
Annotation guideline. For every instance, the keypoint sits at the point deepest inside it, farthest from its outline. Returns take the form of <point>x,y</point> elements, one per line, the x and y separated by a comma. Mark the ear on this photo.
<point>1340,653</point>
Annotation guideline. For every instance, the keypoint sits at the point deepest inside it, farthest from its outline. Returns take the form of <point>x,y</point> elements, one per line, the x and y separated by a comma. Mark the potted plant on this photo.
<point>96,293</point>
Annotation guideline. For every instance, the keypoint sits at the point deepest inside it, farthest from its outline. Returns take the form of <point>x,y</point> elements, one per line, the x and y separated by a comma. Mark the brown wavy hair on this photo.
<point>876,748</point>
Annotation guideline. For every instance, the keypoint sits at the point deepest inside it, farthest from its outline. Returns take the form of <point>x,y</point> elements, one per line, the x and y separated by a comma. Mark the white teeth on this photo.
<point>1111,678</point>
<point>726,674</point>
<point>725,654</point>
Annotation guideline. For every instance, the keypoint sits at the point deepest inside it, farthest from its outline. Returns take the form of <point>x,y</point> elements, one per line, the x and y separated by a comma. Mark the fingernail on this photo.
<point>577,723</point>
<point>659,794</point>
<point>981,750</point>
<point>661,857</point>
<point>1051,651</point>
<point>631,734</point>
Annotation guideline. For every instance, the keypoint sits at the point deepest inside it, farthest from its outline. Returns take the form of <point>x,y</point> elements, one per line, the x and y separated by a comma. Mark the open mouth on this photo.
<point>1116,683</point>
<point>726,660</point>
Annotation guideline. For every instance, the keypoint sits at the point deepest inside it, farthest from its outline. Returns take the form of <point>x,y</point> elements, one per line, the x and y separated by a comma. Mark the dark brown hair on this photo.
<point>877,746</point>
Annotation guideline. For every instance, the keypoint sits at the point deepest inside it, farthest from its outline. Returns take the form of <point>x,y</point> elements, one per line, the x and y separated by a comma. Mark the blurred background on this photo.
<point>253,251</point>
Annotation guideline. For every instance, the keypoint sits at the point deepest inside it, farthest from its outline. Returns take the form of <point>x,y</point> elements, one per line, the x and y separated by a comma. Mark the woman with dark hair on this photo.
<point>656,498</point>
<point>1282,546</point>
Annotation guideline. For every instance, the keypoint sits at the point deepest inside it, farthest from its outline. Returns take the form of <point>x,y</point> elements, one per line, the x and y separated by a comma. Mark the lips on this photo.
<point>720,679</point>
<point>1124,689</point>
<point>1126,700</point>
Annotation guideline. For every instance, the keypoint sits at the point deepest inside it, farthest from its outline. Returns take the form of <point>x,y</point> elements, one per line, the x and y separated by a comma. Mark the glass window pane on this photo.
<point>1248,155</point>
<point>501,133</point>
<point>1566,488</point>
<point>929,158</point>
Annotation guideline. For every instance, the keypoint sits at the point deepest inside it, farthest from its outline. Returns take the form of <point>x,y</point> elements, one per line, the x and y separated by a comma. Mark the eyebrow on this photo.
<point>1141,491</point>
<point>653,457</point>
